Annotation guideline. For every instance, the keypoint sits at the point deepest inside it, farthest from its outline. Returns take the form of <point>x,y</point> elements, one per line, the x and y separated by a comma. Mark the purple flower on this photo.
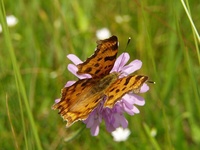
<point>113,117</point>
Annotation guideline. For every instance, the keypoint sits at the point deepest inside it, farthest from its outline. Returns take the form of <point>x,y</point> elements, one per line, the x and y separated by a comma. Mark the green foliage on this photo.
<point>33,71</point>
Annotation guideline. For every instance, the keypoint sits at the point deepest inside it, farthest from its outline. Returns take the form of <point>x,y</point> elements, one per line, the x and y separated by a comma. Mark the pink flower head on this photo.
<point>113,117</point>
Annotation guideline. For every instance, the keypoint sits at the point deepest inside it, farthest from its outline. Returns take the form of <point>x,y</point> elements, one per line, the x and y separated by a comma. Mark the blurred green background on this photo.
<point>162,37</point>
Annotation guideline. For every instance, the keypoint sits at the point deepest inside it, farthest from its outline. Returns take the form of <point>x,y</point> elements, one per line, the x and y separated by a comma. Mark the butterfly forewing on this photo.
<point>122,86</point>
<point>102,61</point>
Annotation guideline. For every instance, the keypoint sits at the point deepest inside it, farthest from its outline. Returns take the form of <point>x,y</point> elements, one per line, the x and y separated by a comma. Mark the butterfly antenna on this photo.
<point>151,82</point>
<point>129,39</point>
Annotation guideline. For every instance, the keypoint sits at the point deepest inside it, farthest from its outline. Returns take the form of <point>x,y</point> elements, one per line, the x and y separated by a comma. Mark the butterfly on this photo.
<point>80,99</point>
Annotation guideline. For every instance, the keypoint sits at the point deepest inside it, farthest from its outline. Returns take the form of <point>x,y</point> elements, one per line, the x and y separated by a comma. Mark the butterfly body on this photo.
<point>105,82</point>
<point>81,98</point>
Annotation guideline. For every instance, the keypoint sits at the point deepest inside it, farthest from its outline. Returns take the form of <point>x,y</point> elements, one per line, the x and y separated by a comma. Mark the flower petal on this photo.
<point>128,98</point>
<point>126,104</point>
<point>132,67</point>
<point>120,62</point>
<point>123,121</point>
<point>136,110</point>
<point>73,69</point>
<point>144,88</point>
<point>74,59</point>
<point>57,100</point>
<point>138,100</point>
<point>95,130</point>
<point>69,83</point>
<point>89,121</point>
<point>129,111</point>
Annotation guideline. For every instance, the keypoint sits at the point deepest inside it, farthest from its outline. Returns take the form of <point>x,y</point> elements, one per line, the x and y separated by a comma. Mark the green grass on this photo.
<point>33,71</point>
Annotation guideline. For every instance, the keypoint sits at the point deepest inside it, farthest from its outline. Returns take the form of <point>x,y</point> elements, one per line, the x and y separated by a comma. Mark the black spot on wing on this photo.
<point>88,69</point>
<point>96,65</point>
<point>112,90</point>
<point>78,94</point>
<point>110,58</point>
<point>117,90</point>
<point>115,47</point>
<point>127,80</point>
<point>97,100</point>
<point>123,88</point>
<point>99,59</point>
<point>138,77</point>
<point>97,71</point>
<point>110,97</point>
<point>84,84</point>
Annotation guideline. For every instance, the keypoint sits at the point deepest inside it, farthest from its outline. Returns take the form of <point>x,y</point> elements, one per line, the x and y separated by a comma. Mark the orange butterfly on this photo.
<point>81,98</point>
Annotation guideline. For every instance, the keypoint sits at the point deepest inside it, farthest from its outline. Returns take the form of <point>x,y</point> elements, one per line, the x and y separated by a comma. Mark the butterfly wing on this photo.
<point>122,86</point>
<point>82,97</point>
<point>78,101</point>
<point>102,61</point>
